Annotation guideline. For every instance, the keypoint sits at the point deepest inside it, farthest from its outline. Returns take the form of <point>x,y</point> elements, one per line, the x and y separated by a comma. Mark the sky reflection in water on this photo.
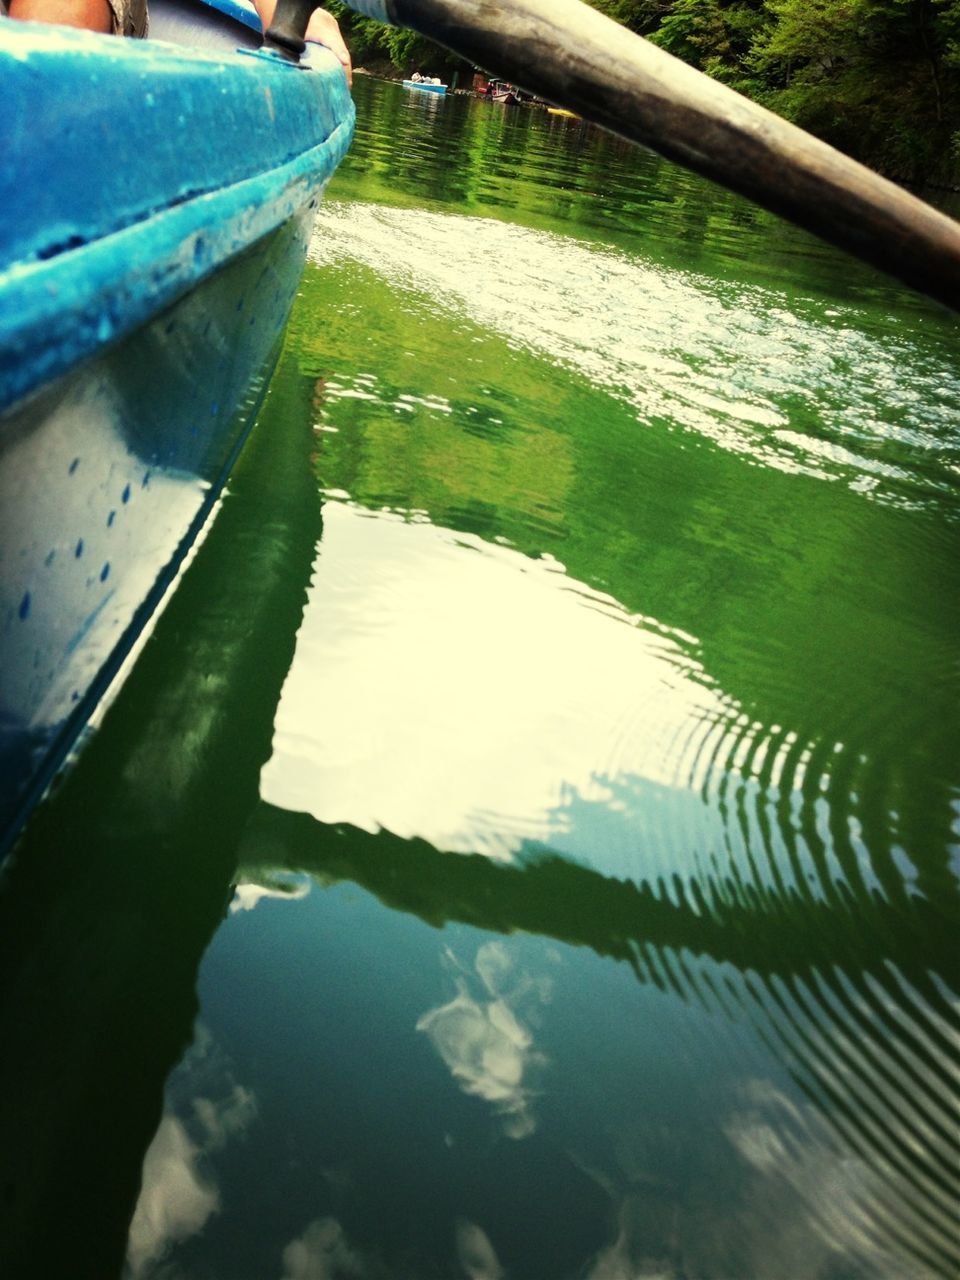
<point>458,691</point>
<point>771,1098</point>
<point>595,915</point>
<point>803,388</point>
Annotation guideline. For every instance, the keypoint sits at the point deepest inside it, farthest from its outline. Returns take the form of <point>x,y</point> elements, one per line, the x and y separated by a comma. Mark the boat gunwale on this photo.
<point>165,255</point>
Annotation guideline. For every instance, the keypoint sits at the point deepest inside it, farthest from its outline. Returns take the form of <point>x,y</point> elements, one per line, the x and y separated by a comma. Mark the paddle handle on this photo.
<point>572,55</point>
<point>287,32</point>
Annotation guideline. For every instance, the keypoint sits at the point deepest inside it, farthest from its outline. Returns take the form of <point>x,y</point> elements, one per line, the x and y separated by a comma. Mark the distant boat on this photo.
<point>562,111</point>
<point>501,91</point>
<point>425,86</point>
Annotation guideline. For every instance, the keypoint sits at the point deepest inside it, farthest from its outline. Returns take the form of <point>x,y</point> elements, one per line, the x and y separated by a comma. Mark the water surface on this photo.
<point>527,845</point>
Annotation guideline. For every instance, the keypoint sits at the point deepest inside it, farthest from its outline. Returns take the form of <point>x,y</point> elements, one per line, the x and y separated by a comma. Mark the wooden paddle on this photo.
<point>570,54</point>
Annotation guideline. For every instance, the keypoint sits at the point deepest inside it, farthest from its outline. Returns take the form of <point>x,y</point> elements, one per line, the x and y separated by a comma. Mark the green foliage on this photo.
<point>643,16</point>
<point>716,36</point>
<point>879,79</point>
<point>875,77</point>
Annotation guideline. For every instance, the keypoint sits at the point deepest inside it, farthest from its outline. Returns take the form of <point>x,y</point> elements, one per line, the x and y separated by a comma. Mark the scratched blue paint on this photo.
<point>137,401</point>
<point>76,640</point>
<point>172,201</point>
<point>120,220</point>
<point>118,162</point>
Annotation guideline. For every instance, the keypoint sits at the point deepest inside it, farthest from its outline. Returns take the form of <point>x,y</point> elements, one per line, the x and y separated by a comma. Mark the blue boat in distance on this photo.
<point>425,86</point>
<point>156,202</point>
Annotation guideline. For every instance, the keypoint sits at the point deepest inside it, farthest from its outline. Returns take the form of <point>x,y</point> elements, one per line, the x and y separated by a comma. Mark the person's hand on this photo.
<point>324,29</point>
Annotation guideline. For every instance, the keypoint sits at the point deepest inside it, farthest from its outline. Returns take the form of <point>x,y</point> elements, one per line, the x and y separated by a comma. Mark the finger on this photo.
<point>323,29</point>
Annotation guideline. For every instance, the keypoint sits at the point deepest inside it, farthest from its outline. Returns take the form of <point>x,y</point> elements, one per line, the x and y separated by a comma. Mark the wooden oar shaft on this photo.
<point>576,57</point>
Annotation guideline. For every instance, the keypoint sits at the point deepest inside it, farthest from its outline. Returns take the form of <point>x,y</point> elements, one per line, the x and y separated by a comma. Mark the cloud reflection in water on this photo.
<point>175,1199</point>
<point>457,691</point>
<point>322,1253</point>
<point>483,1041</point>
<point>178,1193</point>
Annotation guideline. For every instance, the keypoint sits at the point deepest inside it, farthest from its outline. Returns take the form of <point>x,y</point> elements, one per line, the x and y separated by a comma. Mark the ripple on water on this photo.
<point>793,386</point>
<point>457,691</point>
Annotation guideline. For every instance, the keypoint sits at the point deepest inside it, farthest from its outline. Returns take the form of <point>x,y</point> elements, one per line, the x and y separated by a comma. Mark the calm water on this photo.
<point>528,845</point>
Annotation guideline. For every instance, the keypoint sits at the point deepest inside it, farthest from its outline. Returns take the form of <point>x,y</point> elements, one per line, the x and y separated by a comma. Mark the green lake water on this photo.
<point>528,845</point>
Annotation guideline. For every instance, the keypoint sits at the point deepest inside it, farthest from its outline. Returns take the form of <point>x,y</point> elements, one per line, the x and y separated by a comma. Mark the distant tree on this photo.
<point>642,16</point>
<point>715,36</point>
<point>879,78</point>
<point>950,17</point>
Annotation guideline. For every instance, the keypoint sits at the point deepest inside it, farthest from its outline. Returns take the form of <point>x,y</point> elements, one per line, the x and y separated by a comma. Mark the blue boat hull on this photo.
<point>425,88</point>
<point>147,269</point>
